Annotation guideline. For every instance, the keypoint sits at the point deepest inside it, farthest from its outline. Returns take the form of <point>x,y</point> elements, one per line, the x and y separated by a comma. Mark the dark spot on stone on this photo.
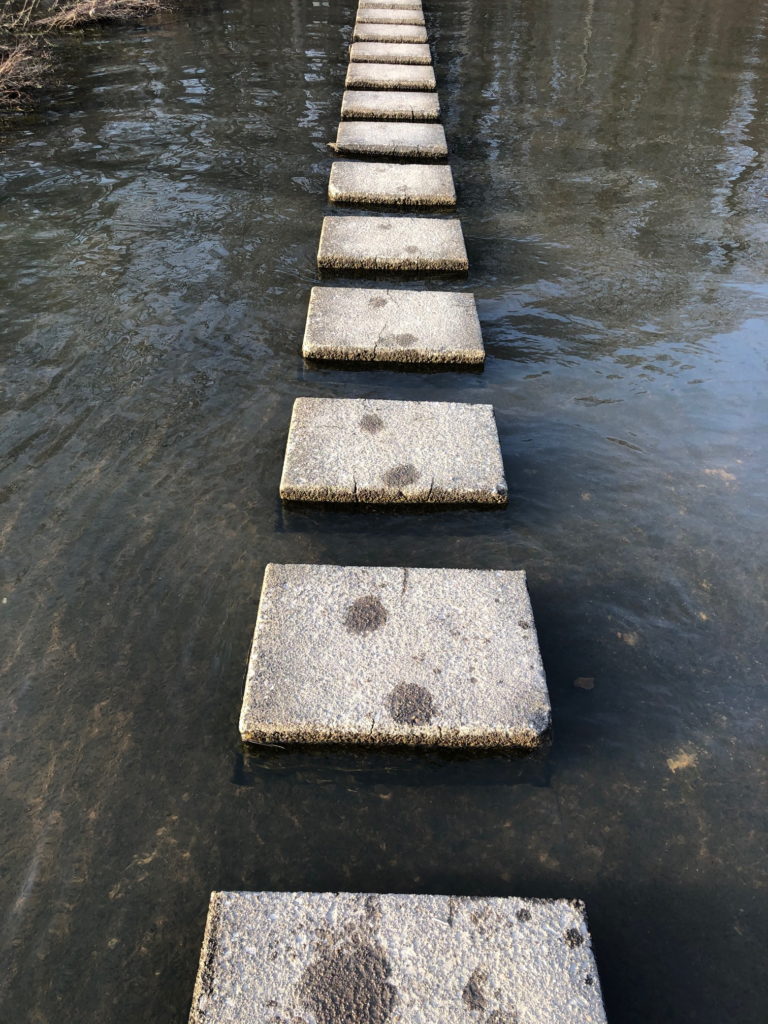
<point>473,994</point>
<point>523,914</point>
<point>383,226</point>
<point>523,624</point>
<point>365,615</point>
<point>589,980</point>
<point>377,302</point>
<point>573,938</point>
<point>411,248</point>
<point>371,423</point>
<point>401,476</point>
<point>497,1017</point>
<point>348,985</point>
<point>406,340</point>
<point>411,704</point>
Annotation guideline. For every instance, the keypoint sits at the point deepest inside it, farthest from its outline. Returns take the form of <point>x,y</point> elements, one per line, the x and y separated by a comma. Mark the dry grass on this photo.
<point>26,26</point>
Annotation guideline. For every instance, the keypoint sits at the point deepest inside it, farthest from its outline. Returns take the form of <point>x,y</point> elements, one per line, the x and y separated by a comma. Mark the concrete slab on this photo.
<point>388,105</point>
<point>394,656</point>
<point>360,958</point>
<point>390,53</point>
<point>392,4</point>
<point>401,244</point>
<point>391,138</point>
<point>382,452</point>
<point>392,243</point>
<point>378,33</point>
<point>390,76</point>
<point>393,325</point>
<point>383,16</point>
<point>387,184</point>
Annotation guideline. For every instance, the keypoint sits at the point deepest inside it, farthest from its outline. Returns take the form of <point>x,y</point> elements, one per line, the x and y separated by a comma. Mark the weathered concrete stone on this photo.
<point>383,16</point>
<point>386,656</point>
<point>391,4</point>
<point>354,181</point>
<point>379,33</point>
<point>392,325</point>
<point>390,53</point>
<point>360,958</point>
<point>381,452</point>
<point>391,138</point>
<point>392,243</point>
<point>390,76</point>
<point>388,105</point>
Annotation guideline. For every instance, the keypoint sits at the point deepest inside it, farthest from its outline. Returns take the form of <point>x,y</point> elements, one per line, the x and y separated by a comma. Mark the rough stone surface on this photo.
<point>359,958</point>
<point>392,243</point>
<point>391,4</point>
<point>383,16</point>
<point>353,181</point>
<point>438,657</point>
<point>390,53</point>
<point>391,138</point>
<point>381,452</point>
<point>392,325</point>
<point>389,105</point>
<point>367,33</point>
<point>390,76</point>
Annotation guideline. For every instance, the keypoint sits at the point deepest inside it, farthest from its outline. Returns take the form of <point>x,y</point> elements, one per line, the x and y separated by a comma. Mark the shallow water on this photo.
<point>160,222</point>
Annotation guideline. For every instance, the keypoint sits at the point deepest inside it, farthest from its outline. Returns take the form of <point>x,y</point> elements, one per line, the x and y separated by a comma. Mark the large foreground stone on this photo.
<point>380,452</point>
<point>390,53</point>
<point>391,138</point>
<point>386,656</point>
<point>392,243</point>
<point>390,76</point>
<point>389,105</point>
<point>359,958</point>
<point>388,184</point>
<point>383,16</point>
<point>365,33</point>
<point>384,325</point>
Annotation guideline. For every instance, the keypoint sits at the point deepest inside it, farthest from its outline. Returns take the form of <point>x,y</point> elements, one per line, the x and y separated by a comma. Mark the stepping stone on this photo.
<point>363,958</point>
<point>395,326</point>
<point>380,16</point>
<point>390,76</point>
<point>388,656</point>
<point>392,4</point>
<point>387,105</point>
<point>391,184</point>
<point>391,138</point>
<point>392,243</point>
<point>366,33</point>
<point>390,53</point>
<point>380,452</point>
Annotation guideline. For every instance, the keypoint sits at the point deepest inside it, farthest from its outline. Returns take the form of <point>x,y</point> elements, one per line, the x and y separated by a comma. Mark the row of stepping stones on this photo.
<point>387,656</point>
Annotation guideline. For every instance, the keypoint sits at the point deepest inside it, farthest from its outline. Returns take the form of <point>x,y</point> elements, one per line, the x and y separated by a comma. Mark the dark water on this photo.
<point>159,226</point>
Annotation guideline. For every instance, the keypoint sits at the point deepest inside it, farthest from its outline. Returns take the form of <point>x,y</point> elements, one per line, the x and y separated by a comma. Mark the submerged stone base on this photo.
<point>381,452</point>
<point>391,138</point>
<point>414,77</point>
<point>389,105</point>
<point>390,53</point>
<point>361,958</point>
<point>383,325</point>
<point>389,184</point>
<point>366,33</point>
<point>388,656</point>
<point>392,243</point>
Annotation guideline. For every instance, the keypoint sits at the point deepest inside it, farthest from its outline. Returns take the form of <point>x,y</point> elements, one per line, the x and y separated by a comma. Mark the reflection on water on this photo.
<point>160,225</point>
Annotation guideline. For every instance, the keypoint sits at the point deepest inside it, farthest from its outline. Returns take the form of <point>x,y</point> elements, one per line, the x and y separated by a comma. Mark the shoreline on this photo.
<point>29,29</point>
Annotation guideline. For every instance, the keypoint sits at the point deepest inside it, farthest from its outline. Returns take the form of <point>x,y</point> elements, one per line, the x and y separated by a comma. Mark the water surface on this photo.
<point>160,222</point>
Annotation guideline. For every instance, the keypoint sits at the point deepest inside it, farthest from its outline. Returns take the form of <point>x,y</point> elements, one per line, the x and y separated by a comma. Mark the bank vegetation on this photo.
<point>28,33</point>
